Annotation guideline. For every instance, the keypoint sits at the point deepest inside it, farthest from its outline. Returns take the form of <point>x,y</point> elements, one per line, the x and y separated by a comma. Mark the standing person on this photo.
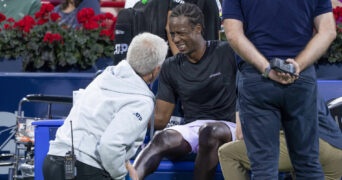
<point>110,117</point>
<point>235,164</point>
<point>259,31</point>
<point>202,77</point>
<point>68,10</point>
<point>17,9</point>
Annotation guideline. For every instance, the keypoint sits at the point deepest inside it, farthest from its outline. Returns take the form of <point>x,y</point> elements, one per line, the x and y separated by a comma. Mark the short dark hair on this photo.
<point>191,11</point>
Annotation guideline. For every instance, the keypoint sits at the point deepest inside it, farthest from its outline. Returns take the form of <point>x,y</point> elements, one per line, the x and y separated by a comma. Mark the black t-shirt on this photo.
<point>207,89</point>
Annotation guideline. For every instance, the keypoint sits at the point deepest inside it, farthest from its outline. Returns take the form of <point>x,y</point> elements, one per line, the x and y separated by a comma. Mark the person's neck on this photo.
<point>70,8</point>
<point>197,55</point>
<point>148,78</point>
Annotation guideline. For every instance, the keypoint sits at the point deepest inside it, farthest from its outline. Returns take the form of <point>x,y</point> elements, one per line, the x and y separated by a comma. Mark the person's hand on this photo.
<point>167,28</point>
<point>285,78</point>
<point>131,171</point>
<point>238,130</point>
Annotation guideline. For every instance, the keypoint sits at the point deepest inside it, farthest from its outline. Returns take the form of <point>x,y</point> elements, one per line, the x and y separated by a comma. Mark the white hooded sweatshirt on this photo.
<point>109,120</point>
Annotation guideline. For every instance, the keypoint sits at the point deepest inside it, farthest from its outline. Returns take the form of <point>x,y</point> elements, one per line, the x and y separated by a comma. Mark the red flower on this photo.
<point>50,37</point>
<point>42,21</point>
<point>109,15</point>
<point>338,14</point>
<point>7,26</point>
<point>105,32</point>
<point>85,14</point>
<point>25,24</point>
<point>43,14</point>
<point>54,17</point>
<point>46,8</point>
<point>10,20</point>
<point>107,20</point>
<point>95,18</point>
<point>90,25</point>
<point>2,17</point>
<point>109,33</point>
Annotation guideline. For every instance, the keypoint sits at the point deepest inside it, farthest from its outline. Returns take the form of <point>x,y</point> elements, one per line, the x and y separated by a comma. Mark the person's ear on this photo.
<point>156,70</point>
<point>198,29</point>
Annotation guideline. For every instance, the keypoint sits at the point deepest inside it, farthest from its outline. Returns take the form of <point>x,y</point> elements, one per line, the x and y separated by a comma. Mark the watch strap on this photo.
<point>266,72</point>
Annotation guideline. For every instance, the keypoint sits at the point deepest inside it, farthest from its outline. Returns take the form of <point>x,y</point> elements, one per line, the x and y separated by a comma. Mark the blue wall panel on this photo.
<point>14,86</point>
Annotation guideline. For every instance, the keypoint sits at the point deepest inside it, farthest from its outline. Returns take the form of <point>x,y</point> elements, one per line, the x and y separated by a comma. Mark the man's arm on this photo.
<point>326,33</point>
<point>162,113</point>
<point>131,171</point>
<point>238,131</point>
<point>336,3</point>
<point>242,46</point>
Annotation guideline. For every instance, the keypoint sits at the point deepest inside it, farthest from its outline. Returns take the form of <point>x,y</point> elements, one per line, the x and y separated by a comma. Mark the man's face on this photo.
<point>183,34</point>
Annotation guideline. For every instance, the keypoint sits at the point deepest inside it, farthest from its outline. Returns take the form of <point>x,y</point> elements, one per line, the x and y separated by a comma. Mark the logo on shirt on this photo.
<point>179,1</point>
<point>121,48</point>
<point>138,116</point>
<point>214,75</point>
<point>117,32</point>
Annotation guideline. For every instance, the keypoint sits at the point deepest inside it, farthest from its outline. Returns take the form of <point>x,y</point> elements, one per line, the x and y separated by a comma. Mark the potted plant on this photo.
<point>43,44</point>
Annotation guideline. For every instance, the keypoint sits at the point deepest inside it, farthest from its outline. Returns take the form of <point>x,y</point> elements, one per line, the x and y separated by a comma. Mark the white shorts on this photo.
<point>190,131</point>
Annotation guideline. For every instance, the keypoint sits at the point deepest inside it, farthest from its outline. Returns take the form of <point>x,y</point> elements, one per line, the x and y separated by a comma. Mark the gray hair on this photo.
<point>146,52</point>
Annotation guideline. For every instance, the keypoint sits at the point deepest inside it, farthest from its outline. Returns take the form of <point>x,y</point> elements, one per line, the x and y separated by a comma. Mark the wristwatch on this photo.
<point>266,71</point>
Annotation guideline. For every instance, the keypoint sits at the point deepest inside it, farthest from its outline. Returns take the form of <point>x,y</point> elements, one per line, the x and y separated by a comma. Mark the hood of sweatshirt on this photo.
<point>123,79</point>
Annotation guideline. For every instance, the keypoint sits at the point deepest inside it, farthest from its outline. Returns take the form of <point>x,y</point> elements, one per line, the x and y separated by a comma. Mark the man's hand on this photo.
<point>238,131</point>
<point>285,78</point>
<point>131,171</point>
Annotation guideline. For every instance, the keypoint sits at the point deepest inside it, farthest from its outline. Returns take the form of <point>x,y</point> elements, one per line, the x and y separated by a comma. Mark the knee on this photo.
<point>166,139</point>
<point>226,151</point>
<point>214,135</point>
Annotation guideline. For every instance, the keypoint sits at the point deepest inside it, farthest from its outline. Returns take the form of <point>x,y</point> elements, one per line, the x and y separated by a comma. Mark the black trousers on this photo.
<point>53,169</point>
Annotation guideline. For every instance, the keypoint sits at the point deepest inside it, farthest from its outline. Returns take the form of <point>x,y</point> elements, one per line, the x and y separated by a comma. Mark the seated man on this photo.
<point>202,76</point>
<point>235,164</point>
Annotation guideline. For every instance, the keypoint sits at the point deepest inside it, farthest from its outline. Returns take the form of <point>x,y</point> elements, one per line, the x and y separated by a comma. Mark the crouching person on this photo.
<point>235,164</point>
<point>109,119</point>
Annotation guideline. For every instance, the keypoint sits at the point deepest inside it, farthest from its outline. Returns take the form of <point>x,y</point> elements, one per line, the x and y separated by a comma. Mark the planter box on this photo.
<point>11,65</point>
<point>329,71</point>
<point>15,65</point>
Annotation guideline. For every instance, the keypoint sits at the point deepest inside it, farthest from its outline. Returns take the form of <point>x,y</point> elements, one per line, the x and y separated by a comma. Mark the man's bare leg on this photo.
<point>167,143</point>
<point>211,137</point>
